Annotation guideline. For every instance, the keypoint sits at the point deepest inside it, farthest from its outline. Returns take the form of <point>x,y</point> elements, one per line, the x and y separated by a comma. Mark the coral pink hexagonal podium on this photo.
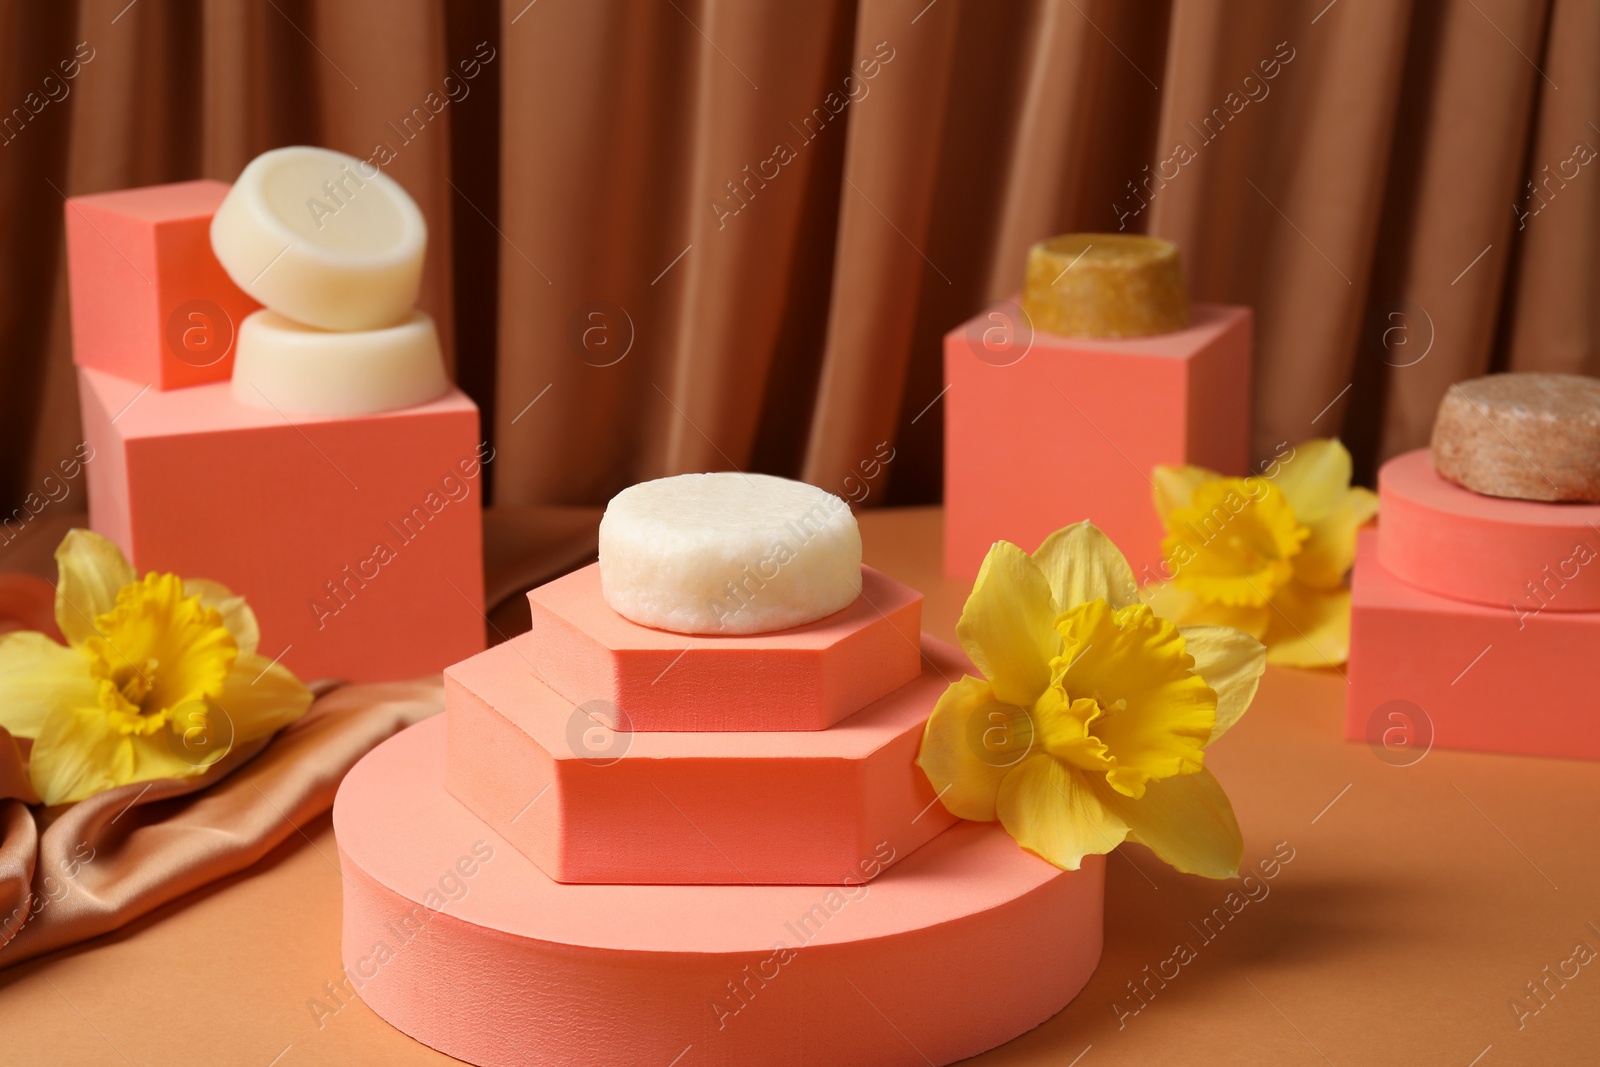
<point>806,678</point>
<point>525,883</point>
<point>1043,431</point>
<point>759,806</point>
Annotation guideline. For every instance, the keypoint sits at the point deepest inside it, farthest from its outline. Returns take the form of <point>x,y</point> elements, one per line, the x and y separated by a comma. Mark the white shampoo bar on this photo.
<point>323,238</point>
<point>294,369</point>
<point>728,553</point>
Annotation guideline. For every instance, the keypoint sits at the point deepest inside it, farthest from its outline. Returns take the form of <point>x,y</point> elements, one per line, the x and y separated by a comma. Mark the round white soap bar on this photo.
<point>728,553</point>
<point>324,238</point>
<point>282,365</point>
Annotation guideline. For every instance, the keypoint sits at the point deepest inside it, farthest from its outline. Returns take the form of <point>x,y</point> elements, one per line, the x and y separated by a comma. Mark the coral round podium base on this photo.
<point>455,938</point>
<point>1527,555</point>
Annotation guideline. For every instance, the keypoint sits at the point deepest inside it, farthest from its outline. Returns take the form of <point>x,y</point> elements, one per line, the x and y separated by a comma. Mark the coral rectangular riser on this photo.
<point>1486,679</point>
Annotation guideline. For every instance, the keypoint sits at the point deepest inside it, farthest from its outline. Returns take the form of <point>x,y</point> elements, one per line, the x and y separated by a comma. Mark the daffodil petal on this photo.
<point>237,615</point>
<point>92,570</point>
<point>1173,487</point>
<point>970,743</point>
<point>1235,543</point>
<point>1314,478</point>
<point>1186,821</point>
<point>78,754</point>
<point>177,647</point>
<point>1330,551</point>
<point>1309,627</point>
<point>1158,714</point>
<point>36,675</point>
<point>164,755</point>
<point>1007,627</point>
<point>1231,662</point>
<point>1061,728</point>
<point>1081,564</point>
<point>1053,814</point>
<point>261,697</point>
<point>1171,601</point>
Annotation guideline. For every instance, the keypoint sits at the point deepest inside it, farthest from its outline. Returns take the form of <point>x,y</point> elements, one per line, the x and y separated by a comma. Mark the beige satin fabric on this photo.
<point>84,869</point>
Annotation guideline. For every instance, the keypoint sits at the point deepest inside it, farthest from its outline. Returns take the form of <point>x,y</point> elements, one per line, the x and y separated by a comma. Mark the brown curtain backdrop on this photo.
<point>675,235</point>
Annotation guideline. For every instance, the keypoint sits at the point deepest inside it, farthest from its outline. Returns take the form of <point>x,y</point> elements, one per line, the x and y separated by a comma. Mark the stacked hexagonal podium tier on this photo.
<point>625,846</point>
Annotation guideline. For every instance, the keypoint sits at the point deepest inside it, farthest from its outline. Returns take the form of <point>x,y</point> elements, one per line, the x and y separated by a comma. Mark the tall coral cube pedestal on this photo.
<point>357,540</point>
<point>1042,431</point>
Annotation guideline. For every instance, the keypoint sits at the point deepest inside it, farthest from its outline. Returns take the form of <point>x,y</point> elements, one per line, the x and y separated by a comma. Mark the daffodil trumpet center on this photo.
<point>1235,542</point>
<point>159,656</point>
<point>1123,700</point>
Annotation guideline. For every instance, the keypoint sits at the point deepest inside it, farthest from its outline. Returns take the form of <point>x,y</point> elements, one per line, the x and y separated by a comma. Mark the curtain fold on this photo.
<point>397,114</point>
<point>885,217</point>
<point>703,234</point>
<point>1286,124</point>
<point>1551,314</point>
<point>1452,242</point>
<point>754,155</point>
<point>594,147</point>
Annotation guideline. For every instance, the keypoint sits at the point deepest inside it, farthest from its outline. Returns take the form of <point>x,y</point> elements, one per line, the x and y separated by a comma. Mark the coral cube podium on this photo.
<point>1042,431</point>
<point>357,540</point>
<point>149,300</point>
<point>1472,620</point>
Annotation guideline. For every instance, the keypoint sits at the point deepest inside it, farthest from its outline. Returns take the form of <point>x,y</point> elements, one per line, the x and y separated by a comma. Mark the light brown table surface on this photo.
<point>1419,902</point>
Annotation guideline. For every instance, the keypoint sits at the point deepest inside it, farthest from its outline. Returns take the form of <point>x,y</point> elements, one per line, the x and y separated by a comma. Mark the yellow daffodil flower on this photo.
<point>1267,555</point>
<point>1090,723</point>
<point>159,679</point>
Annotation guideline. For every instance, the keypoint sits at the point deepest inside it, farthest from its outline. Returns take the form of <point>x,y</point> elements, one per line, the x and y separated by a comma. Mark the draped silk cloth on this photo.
<point>87,868</point>
<point>776,209</point>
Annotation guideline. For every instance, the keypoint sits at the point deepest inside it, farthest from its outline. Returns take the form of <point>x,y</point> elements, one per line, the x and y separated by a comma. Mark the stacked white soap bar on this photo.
<point>333,248</point>
<point>728,553</point>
